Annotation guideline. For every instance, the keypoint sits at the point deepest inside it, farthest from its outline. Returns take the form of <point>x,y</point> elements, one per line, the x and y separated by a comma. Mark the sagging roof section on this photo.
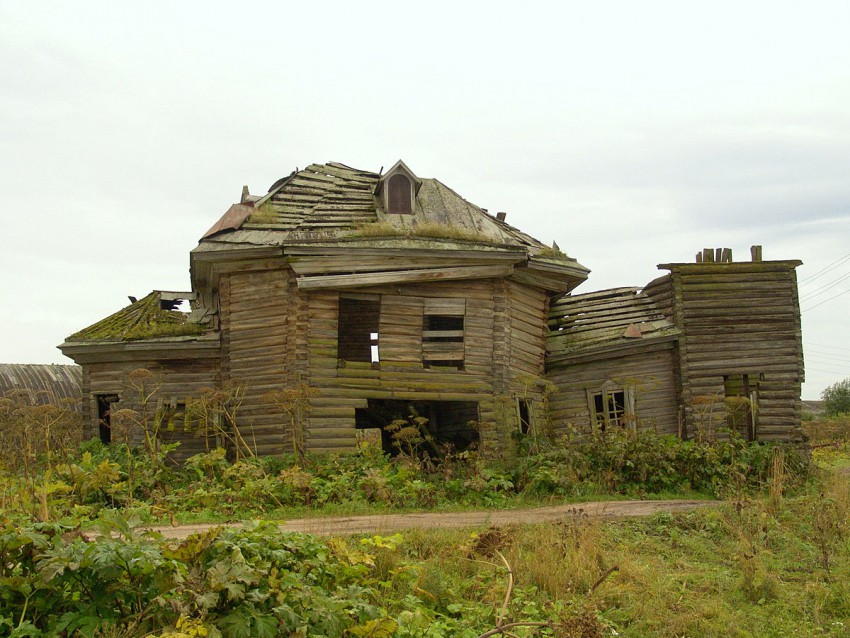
<point>329,220</point>
<point>151,317</point>
<point>607,320</point>
<point>334,201</point>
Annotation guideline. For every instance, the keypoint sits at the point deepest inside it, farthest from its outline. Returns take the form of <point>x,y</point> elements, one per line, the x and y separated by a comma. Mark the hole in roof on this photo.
<point>180,305</point>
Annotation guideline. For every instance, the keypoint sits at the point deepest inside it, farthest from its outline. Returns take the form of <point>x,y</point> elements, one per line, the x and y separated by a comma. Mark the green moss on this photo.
<point>263,215</point>
<point>552,253</point>
<point>431,230</point>
<point>142,319</point>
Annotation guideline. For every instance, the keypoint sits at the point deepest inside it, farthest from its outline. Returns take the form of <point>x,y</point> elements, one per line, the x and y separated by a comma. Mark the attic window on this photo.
<point>399,195</point>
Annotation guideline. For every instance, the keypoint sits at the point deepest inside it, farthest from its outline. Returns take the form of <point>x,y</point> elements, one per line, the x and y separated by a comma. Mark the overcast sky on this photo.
<point>632,133</point>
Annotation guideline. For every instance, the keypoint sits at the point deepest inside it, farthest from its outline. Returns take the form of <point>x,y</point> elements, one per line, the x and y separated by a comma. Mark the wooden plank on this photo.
<point>402,276</point>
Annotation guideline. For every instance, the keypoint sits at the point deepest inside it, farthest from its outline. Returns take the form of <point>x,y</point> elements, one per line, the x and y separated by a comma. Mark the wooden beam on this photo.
<point>403,276</point>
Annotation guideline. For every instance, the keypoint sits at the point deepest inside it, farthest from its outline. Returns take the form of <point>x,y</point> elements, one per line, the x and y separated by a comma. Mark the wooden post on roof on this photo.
<point>755,252</point>
<point>726,256</point>
<point>708,255</point>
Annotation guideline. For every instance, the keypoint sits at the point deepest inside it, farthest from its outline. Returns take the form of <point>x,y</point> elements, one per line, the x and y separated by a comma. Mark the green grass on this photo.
<point>772,560</point>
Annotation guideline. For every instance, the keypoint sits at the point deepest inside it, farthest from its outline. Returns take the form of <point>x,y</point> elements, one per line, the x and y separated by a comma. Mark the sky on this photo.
<point>631,133</point>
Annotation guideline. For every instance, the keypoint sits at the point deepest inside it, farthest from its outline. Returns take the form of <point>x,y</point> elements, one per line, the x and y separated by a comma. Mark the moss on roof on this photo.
<point>142,319</point>
<point>334,200</point>
<point>600,319</point>
<point>429,230</point>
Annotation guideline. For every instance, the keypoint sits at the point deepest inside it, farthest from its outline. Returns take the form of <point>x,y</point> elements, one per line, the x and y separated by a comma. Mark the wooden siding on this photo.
<point>258,350</point>
<point>528,317</point>
<point>649,374</point>
<point>738,318</point>
<point>344,386</point>
<point>179,382</point>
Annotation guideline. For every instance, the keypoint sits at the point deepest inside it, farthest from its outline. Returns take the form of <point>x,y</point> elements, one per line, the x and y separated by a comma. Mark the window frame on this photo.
<point>613,414</point>
<point>444,348</point>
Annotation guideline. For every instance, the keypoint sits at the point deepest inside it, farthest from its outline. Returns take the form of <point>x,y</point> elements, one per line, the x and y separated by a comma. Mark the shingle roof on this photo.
<point>147,318</point>
<point>333,200</point>
<point>604,319</point>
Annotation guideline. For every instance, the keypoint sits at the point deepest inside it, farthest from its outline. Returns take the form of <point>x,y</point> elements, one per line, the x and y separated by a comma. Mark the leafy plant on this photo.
<point>836,398</point>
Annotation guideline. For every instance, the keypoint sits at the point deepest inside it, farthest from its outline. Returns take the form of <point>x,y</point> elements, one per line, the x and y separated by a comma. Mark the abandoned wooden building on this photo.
<point>375,296</point>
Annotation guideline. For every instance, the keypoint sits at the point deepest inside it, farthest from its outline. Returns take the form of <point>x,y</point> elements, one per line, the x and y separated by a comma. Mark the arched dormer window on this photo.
<point>399,195</point>
<point>397,190</point>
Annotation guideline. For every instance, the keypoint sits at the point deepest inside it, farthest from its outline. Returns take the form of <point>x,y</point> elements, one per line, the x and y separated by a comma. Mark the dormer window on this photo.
<point>397,190</point>
<point>399,195</point>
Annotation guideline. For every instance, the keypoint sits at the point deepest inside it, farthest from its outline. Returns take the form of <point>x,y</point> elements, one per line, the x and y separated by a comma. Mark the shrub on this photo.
<point>836,398</point>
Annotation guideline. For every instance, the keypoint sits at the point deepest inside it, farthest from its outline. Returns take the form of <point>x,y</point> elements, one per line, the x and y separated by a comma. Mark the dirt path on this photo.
<point>386,523</point>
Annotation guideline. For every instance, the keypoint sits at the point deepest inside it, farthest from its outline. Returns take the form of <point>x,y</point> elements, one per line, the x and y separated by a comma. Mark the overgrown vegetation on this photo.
<point>773,560</point>
<point>430,230</point>
<point>551,252</point>
<point>210,486</point>
<point>760,565</point>
<point>836,398</point>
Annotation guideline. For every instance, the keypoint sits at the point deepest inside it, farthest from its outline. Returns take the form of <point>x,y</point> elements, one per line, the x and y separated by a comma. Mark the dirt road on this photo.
<point>387,523</point>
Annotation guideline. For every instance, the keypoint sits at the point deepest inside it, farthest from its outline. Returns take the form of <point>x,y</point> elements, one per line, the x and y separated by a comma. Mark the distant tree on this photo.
<point>836,398</point>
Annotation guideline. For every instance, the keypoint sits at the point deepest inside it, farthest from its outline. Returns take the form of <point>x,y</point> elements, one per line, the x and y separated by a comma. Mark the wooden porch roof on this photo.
<point>151,317</point>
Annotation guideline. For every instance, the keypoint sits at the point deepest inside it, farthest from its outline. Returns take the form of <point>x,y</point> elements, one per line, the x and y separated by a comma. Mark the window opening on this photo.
<point>358,337</point>
<point>104,412</point>
<point>442,341</point>
<point>373,347</point>
<point>399,196</point>
<point>742,405</point>
<point>524,414</point>
<point>612,408</point>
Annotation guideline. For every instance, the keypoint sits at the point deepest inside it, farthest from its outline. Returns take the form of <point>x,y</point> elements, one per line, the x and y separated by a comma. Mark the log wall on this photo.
<point>738,318</point>
<point>178,381</point>
<point>344,386</point>
<point>649,374</point>
<point>258,350</point>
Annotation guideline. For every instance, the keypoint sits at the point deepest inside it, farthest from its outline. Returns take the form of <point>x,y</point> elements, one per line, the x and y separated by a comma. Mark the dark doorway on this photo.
<point>448,422</point>
<point>104,410</point>
<point>524,413</point>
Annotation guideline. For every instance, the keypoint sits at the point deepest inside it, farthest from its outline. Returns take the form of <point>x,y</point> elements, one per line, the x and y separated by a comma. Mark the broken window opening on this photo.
<point>523,407</point>
<point>104,412</point>
<point>399,195</point>
<point>357,337</point>
<point>612,407</point>
<point>742,400</point>
<point>373,347</point>
<point>442,341</point>
<point>447,423</point>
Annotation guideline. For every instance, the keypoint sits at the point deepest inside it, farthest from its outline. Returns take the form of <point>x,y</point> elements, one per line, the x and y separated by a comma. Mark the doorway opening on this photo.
<point>104,412</point>
<point>445,422</point>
